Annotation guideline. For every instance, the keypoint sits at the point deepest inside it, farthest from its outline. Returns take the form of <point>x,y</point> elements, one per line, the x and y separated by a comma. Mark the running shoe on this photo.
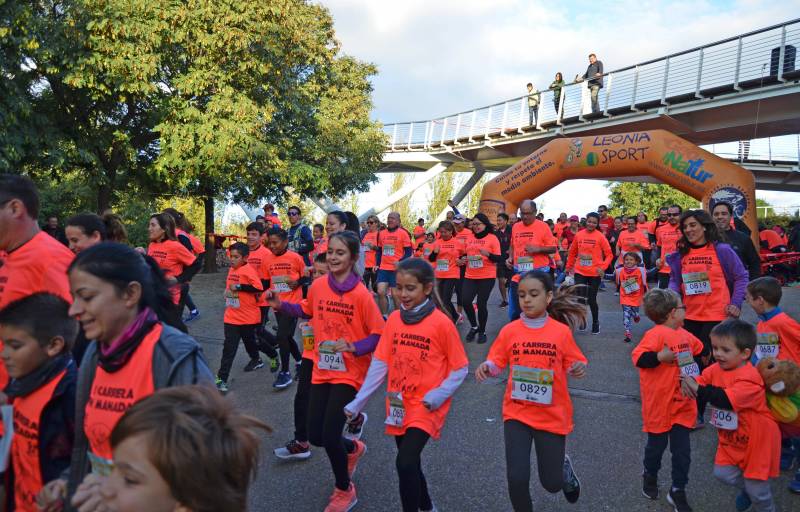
<point>572,486</point>
<point>254,364</point>
<point>636,319</point>
<point>481,338</point>
<point>274,364</point>
<point>595,329</point>
<point>283,380</point>
<point>432,509</point>
<point>294,450</point>
<point>743,502</point>
<point>473,331</point>
<point>342,501</point>
<point>353,458</point>
<point>628,336</point>
<point>677,498</point>
<point>650,486</point>
<point>355,427</point>
<point>191,316</point>
<point>222,386</point>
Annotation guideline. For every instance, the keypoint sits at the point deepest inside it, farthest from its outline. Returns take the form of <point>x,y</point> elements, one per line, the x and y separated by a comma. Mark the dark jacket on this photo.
<point>301,241</point>
<point>592,70</point>
<point>177,360</point>
<point>742,244</point>
<point>504,237</point>
<point>556,87</point>
<point>735,273</point>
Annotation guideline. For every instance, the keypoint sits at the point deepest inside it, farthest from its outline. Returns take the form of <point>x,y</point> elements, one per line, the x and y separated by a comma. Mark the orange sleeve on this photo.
<point>705,378</point>
<point>251,278</point>
<point>746,393</point>
<point>573,252</point>
<point>184,255</point>
<point>694,343</point>
<point>498,354</point>
<point>384,348</point>
<point>452,346</point>
<point>649,343</point>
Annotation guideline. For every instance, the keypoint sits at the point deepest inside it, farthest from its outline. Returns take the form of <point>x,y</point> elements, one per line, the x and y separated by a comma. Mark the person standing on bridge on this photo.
<point>594,75</point>
<point>557,86</point>
<point>742,244</point>
<point>533,104</point>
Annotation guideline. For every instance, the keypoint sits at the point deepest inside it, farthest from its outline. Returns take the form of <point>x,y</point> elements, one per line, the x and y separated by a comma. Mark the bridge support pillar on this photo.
<point>405,190</point>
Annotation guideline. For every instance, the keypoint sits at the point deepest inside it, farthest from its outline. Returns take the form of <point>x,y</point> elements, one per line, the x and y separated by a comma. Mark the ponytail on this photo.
<point>565,306</point>
<point>115,229</point>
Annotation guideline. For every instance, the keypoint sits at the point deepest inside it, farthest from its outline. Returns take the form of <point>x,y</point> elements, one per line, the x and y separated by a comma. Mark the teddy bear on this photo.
<point>782,380</point>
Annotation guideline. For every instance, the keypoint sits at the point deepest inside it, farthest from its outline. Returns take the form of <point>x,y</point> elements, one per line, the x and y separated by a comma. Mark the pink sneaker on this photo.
<point>342,501</point>
<point>353,458</point>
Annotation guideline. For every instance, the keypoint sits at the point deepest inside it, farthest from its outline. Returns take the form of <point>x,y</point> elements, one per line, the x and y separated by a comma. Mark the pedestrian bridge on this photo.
<point>744,88</point>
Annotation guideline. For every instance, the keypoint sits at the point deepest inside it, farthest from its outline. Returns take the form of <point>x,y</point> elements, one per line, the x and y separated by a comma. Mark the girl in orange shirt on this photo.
<point>536,407</point>
<point>423,375</point>
<point>446,254</point>
<point>347,325</point>
<point>483,253</point>
<point>632,283</point>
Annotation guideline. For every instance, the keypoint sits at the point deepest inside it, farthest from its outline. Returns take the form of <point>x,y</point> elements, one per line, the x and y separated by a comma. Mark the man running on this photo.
<point>395,246</point>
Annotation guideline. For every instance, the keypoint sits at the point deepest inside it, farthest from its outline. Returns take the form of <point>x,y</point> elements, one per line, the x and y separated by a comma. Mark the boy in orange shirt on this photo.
<point>778,337</point>
<point>665,352</point>
<point>242,314</point>
<point>632,283</point>
<point>749,440</point>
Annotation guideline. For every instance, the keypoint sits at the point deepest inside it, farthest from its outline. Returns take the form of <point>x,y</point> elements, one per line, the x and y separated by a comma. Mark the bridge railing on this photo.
<point>783,149</point>
<point>763,57</point>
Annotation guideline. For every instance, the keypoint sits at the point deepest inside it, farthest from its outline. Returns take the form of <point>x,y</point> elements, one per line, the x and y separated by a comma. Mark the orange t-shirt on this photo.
<point>371,237</point>
<point>551,349</point>
<point>258,260</point>
<point>419,232</point>
<point>427,248</point>
<point>197,246</point>
<point>787,330</point>
<point>705,291</point>
<point>322,246</point>
<point>450,251</point>
<point>667,237</point>
<point>626,239</point>
<point>478,265</point>
<point>420,357</point>
<point>463,236</point>
<point>392,244</point>
<point>663,404</point>
<point>755,445</point>
<point>632,285</point>
<point>538,233</point>
<point>559,228</point>
<point>352,316</point>
<point>241,308</point>
<point>172,257</point>
<point>38,265</point>
<point>772,238</point>
<point>289,266</point>
<point>646,228</point>
<point>589,252</point>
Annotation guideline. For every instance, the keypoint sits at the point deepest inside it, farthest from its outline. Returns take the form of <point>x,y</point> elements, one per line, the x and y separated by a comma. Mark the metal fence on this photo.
<point>763,57</point>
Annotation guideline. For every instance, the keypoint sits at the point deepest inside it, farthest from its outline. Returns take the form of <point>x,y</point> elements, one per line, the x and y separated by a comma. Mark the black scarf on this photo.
<point>121,355</point>
<point>415,316</point>
<point>39,377</point>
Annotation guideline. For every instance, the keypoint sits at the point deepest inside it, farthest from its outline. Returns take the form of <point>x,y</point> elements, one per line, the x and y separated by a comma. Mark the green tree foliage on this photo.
<point>629,198</point>
<point>442,188</point>
<point>403,206</point>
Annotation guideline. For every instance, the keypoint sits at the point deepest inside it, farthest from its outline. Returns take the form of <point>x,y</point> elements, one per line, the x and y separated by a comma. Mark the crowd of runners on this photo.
<point>115,407</point>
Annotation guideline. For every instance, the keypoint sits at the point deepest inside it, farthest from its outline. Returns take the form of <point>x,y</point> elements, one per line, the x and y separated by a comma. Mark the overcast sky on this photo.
<point>437,57</point>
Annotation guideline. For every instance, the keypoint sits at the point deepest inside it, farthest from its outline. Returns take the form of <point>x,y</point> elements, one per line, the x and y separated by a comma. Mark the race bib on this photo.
<point>532,385</point>
<point>388,250</point>
<point>475,261</point>
<point>725,420</point>
<point>329,359</point>
<point>397,412</point>
<point>426,252</point>
<point>280,284</point>
<point>442,265</point>
<point>524,264</point>
<point>630,285</point>
<point>687,364</point>
<point>585,260</point>
<point>307,332</point>
<point>100,466</point>
<point>231,299</point>
<point>696,283</point>
<point>769,345</point>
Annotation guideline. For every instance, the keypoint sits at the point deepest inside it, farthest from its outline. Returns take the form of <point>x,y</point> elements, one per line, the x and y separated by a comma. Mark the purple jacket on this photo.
<point>735,274</point>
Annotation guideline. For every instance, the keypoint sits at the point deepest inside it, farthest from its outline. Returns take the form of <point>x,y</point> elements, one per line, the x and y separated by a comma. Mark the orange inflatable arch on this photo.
<point>657,153</point>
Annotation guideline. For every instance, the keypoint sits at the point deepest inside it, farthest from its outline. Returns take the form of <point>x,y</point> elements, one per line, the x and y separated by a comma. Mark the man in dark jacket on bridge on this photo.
<point>594,75</point>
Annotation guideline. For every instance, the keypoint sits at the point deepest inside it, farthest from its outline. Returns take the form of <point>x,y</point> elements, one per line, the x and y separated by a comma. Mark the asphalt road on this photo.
<point>465,469</point>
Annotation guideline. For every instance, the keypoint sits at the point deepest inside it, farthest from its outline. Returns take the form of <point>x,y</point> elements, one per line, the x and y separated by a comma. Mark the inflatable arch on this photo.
<point>657,153</point>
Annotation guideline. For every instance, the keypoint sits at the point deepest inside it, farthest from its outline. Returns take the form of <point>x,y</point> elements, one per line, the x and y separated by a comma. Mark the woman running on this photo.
<point>446,256</point>
<point>589,255</point>
<point>482,255</point>
<point>369,243</point>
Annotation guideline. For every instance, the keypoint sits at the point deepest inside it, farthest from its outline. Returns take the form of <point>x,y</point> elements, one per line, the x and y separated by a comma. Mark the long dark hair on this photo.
<point>167,223</point>
<point>422,272</point>
<point>88,223</point>
<point>121,265</point>
<point>351,241</point>
<point>712,233</point>
<point>565,306</point>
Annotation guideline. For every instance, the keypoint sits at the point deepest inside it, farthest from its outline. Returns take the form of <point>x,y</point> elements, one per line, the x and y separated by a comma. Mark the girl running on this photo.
<point>537,408</point>
<point>632,283</point>
<point>370,244</point>
<point>347,326</point>
<point>446,256</point>
<point>422,376</point>
<point>482,255</point>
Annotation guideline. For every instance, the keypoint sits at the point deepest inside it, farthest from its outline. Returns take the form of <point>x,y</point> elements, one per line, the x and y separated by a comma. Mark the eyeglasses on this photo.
<point>673,215</point>
<point>294,214</point>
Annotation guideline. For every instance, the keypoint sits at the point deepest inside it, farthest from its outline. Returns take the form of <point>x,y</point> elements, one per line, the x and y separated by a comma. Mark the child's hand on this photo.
<point>689,386</point>
<point>88,497</point>
<point>232,287</point>
<point>483,372</point>
<point>51,497</point>
<point>577,370</point>
<point>342,345</point>
<point>666,356</point>
<point>273,300</point>
<point>733,311</point>
<point>348,414</point>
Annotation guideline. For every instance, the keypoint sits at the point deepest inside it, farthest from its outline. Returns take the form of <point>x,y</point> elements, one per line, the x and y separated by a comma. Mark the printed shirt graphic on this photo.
<point>755,446</point>
<point>588,253</point>
<point>700,266</point>
<point>352,316</point>
<point>626,241</point>
<point>172,257</point>
<point>663,404</point>
<point>632,285</point>
<point>787,329</point>
<point>551,347</point>
<point>667,237</point>
<point>371,237</point>
<point>445,266</point>
<point>419,358</point>
<point>241,308</point>
<point>392,245</point>
<point>538,233</point>
<point>478,265</point>
<point>289,266</point>
<point>258,260</point>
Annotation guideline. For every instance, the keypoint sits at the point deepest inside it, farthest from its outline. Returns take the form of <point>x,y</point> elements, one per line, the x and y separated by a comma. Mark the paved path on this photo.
<point>466,467</point>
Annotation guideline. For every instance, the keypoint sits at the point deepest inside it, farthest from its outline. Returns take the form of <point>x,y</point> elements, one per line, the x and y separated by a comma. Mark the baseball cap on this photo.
<point>459,219</point>
<point>574,218</point>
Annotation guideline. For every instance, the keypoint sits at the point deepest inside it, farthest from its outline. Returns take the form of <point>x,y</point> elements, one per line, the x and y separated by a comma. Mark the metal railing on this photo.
<point>783,149</point>
<point>766,56</point>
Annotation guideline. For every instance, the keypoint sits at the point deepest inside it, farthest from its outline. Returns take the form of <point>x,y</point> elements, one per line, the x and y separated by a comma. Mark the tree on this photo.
<point>407,216</point>
<point>441,191</point>
<point>629,198</point>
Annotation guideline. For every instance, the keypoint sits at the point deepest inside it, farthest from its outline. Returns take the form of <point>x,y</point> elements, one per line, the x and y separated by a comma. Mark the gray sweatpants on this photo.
<point>759,490</point>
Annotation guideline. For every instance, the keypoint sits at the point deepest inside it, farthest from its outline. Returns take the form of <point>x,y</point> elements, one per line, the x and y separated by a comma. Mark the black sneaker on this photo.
<point>294,450</point>
<point>677,498</point>
<point>471,334</point>
<point>481,338</point>
<point>596,329</point>
<point>572,486</point>
<point>650,486</point>
<point>254,364</point>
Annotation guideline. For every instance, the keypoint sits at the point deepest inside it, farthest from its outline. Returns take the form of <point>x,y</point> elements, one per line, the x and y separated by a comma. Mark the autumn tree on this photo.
<point>629,198</point>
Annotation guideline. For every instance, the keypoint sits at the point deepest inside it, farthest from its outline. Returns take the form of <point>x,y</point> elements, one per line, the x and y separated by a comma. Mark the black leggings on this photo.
<point>460,284</point>
<point>413,487</point>
<point>481,288</point>
<point>301,400</point>
<point>371,280</point>
<point>233,333</point>
<point>549,459</point>
<point>285,336</point>
<point>445,288</point>
<point>325,423</point>
<point>663,280</point>
<point>589,293</point>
